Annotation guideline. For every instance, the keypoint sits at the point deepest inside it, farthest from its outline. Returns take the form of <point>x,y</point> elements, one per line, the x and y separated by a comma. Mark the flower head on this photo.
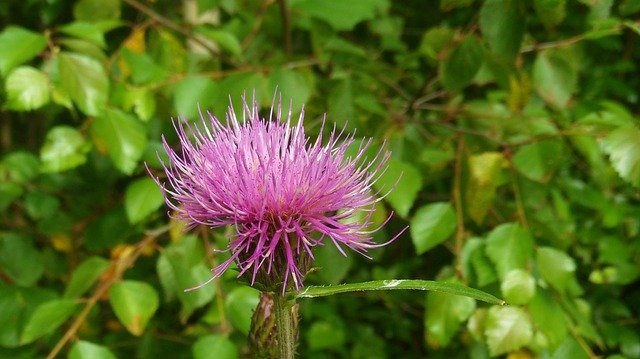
<point>283,192</point>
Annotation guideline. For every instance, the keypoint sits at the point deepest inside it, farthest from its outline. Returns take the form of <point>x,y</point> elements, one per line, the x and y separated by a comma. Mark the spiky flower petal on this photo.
<point>283,192</point>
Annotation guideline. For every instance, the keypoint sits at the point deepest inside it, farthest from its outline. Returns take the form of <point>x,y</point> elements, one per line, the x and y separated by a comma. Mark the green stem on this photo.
<point>285,327</point>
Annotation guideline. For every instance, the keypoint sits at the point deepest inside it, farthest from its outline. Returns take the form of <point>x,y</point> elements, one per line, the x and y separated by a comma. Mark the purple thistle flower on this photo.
<point>284,193</point>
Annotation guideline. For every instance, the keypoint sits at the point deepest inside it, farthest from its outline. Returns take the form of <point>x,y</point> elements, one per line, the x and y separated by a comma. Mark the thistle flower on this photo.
<point>284,193</point>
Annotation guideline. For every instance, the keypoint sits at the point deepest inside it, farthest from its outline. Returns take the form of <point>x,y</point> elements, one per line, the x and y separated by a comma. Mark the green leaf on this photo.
<point>556,268</point>
<point>341,15</point>
<point>142,101</point>
<point>341,104</point>
<point>332,265</point>
<point>239,305</point>
<point>22,166</point>
<point>84,276</point>
<point>142,198</point>
<point>549,318</point>
<point>17,46</point>
<point>180,266</point>
<point>87,350</point>
<point>84,47</point>
<point>502,24</point>
<point>123,136</point>
<point>64,148</point>
<point>409,182</point>
<point>398,284</point>
<point>554,78</point>
<point>509,246</point>
<point>96,10</point>
<point>85,80</point>
<point>40,205</point>
<point>108,230</point>
<point>538,161</point>
<point>484,173</point>
<point>27,89</point>
<point>46,318</point>
<point>325,334</point>
<point>507,329</point>
<point>19,259</point>
<point>214,346</point>
<point>462,64</point>
<point>434,41</point>
<point>623,147</point>
<point>550,12</point>
<point>224,39</point>
<point>9,192</point>
<point>195,92</point>
<point>476,264</point>
<point>85,30</point>
<point>143,69</point>
<point>518,287</point>
<point>134,304</point>
<point>443,315</point>
<point>292,85</point>
<point>431,225</point>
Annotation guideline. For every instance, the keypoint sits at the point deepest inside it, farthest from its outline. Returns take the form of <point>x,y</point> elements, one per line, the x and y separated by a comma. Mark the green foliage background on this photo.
<point>514,125</point>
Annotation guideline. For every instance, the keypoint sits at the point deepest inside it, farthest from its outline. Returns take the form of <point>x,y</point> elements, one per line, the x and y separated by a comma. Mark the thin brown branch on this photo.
<point>286,25</point>
<point>457,201</point>
<point>172,25</point>
<point>116,269</point>
<point>257,24</point>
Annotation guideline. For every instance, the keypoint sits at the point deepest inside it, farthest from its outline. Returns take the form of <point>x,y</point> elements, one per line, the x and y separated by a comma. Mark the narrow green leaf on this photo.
<point>27,89</point>
<point>123,137</point>
<point>507,329</point>
<point>142,198</point>
<point>623,147</point>
<point>64,148</point>
<point>85,80</point>
<point>87,350</point>
<point>134,304</point>
<point>398,284</point>
<point>431,225</point>
<point>18,45</point>
<point>462,64</point>
<point>502,24</point>
<point>214,346</point>
<point>46,318</point>
<point>84,276</point>
<point>509,246</point>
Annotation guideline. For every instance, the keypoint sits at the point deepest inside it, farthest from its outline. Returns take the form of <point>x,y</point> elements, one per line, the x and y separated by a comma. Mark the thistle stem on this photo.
<point>285,327</point>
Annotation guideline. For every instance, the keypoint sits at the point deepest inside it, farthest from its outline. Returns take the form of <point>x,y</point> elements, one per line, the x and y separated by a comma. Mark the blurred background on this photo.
<point>514,125</point>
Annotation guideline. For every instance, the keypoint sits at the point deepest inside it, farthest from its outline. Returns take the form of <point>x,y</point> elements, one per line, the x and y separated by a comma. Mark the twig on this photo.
<point>117,268</point>
<point>286,26</point>
<point>172,25</point>
<point>457,199</point>
<point>257,24</point>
